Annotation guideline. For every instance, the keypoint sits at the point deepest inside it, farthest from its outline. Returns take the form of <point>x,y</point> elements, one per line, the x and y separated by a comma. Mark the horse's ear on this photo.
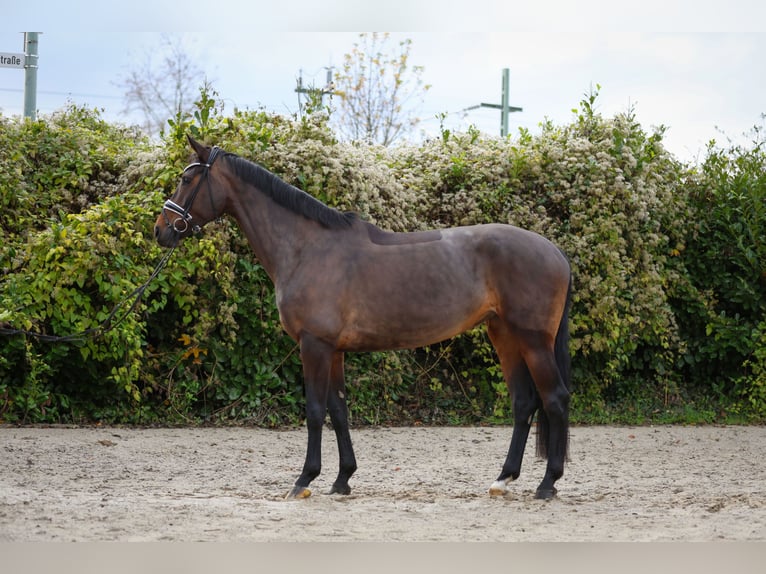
<point>202,152</point>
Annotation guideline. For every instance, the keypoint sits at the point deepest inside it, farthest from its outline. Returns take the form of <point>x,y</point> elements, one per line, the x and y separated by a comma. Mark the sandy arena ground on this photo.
<point>413,484</point>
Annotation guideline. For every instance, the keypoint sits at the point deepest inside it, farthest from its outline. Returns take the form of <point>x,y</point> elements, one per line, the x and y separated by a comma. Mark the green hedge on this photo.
<point>670,292</point>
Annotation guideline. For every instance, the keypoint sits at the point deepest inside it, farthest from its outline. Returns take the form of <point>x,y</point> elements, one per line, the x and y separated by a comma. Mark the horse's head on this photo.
<point>193,204</point>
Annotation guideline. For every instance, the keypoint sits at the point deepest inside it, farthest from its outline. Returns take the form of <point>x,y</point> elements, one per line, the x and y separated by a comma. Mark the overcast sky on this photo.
<point>698,67</point>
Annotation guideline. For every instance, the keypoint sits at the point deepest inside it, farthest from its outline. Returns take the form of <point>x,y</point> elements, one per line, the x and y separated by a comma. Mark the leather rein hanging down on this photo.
<point>109,323</point>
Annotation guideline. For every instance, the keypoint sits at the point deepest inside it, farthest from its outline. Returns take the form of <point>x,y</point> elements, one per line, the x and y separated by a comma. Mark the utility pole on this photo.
<point>329,89</point>
<point>504,108</point>
<point>30,74</point>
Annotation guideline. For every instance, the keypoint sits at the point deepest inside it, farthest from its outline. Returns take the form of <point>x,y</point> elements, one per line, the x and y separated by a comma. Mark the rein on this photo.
<point>106,325</point>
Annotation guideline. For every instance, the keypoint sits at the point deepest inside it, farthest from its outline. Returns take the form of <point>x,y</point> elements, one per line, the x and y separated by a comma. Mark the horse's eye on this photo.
<point>185,179</point>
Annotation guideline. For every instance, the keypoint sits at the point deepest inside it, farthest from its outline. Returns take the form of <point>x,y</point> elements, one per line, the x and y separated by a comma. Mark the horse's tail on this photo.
<point>561,347</point>
<point>563,362</point>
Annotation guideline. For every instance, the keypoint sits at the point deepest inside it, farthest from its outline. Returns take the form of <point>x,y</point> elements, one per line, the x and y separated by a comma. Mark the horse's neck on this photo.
<point>275,234</point>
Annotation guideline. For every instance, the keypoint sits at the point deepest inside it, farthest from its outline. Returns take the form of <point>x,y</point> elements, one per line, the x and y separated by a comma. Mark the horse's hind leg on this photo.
<point>525,404</point>
<point>336,402</point>
<point>553,422</point>
<point>525,401</point>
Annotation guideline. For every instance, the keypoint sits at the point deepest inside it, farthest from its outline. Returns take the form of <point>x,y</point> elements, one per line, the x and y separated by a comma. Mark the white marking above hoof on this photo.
<point>499,487</point>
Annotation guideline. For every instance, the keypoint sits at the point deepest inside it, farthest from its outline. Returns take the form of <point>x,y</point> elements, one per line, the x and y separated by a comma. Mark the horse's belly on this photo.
<point>422,322</point>
<point>396,301</point>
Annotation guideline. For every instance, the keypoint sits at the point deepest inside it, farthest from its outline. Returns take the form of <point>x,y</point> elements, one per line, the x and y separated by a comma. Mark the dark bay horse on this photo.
<point>343,284</point>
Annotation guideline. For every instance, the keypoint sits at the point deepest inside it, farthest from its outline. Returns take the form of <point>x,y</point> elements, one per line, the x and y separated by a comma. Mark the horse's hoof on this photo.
<point>343,489</point>
<point>499,488</point>
<point>545,493</point>
<point>298,492</point>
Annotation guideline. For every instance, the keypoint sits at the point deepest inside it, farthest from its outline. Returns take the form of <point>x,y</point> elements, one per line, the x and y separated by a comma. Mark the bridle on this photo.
<point>183,212</point>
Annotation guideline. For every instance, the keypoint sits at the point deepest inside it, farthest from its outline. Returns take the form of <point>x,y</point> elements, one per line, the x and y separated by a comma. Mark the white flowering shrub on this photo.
<point>641,230</point>
<point>604,191</point>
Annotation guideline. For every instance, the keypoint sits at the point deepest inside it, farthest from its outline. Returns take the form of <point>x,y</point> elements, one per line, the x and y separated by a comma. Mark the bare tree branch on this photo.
<point>380,92</point>
<point>165,90</point>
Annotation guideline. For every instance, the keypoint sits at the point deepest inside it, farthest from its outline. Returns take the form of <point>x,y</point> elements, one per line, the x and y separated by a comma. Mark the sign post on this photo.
<point>30,75</point>
<point>28,61</point>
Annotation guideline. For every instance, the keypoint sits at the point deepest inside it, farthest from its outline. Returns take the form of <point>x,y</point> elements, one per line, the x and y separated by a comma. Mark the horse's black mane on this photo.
<point>288,196</point>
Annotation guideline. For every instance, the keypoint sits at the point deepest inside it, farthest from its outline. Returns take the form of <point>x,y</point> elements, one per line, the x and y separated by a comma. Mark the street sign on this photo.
<point>10,60</point>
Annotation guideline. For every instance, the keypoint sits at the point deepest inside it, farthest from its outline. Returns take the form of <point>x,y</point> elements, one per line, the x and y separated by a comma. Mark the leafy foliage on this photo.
<point>667,320</point>
<point>725,253</point>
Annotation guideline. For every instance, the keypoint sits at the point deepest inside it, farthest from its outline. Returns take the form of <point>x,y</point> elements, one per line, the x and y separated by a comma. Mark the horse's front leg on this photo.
<point>316,357</point>
<point>336,402</point>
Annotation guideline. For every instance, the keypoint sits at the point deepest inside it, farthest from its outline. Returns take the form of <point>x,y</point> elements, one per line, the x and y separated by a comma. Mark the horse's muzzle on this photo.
<point>165,236</point>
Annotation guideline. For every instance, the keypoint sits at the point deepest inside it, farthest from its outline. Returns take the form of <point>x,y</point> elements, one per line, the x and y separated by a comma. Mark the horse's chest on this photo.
<point>311,307</point>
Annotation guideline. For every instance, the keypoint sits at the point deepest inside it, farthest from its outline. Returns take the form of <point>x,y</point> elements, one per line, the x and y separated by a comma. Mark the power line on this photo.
<point>55,93</point>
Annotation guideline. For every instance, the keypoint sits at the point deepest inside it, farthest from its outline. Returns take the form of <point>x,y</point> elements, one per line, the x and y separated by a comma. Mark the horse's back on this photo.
<point>511,250</point>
